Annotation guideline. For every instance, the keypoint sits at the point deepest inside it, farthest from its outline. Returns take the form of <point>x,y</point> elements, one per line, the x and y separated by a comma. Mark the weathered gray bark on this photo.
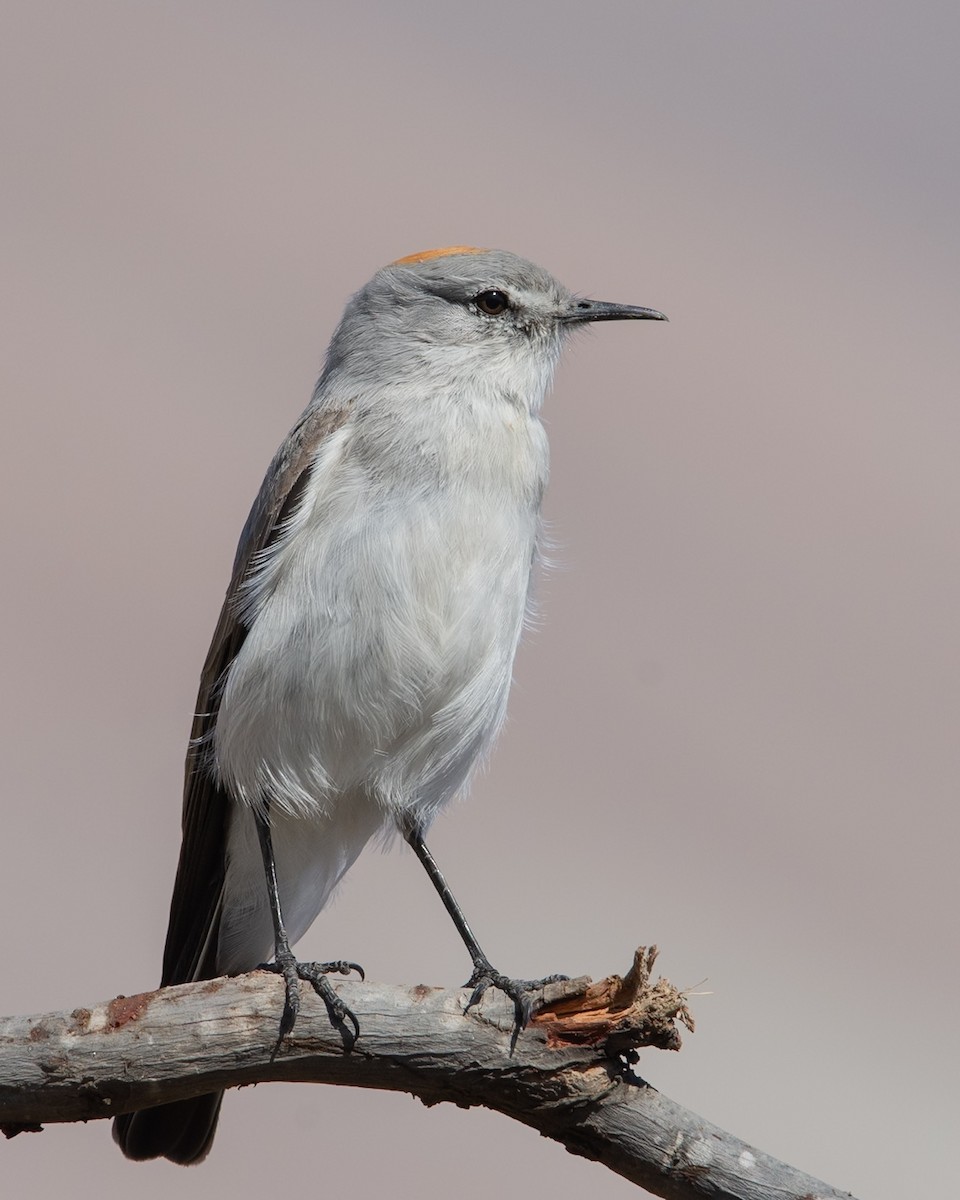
<point>564,1077</point>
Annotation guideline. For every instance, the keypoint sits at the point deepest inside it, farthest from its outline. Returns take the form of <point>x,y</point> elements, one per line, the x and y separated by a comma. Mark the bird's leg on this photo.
<point>484,975</point>
<point>286,963</point>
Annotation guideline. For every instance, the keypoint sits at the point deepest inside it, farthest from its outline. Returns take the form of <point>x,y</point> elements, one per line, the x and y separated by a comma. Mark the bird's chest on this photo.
<point>389,610</point>
<point>409,557</point>
<point>432,527</point>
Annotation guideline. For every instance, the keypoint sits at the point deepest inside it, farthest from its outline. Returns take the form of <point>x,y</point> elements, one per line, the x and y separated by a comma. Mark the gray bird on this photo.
<point>360,668</point>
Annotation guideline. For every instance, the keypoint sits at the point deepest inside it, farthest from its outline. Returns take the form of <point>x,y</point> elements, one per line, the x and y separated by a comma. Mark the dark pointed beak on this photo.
<point>581,311</point>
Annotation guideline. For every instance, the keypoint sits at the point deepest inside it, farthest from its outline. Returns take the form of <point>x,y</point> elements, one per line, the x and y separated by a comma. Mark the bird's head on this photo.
<point>461,314</point>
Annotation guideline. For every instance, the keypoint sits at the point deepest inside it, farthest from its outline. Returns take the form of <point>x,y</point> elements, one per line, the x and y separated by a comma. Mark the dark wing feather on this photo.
<point>191,943</point>
<point>183,1131</point>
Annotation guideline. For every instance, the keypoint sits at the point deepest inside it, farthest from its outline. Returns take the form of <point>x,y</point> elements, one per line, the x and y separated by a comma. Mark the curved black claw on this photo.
<point>519,991</point>
<point>315,974</point>
<point>340,967</point>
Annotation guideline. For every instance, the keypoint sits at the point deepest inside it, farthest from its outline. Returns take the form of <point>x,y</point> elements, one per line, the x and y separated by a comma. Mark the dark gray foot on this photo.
<point>519,990</point>
<point>315,974</point>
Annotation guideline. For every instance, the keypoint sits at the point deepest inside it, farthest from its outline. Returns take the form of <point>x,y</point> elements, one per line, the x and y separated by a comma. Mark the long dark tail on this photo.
<point>182,1132</point>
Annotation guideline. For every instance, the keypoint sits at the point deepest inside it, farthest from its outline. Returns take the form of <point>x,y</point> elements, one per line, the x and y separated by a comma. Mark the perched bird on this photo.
<point>361,664</point>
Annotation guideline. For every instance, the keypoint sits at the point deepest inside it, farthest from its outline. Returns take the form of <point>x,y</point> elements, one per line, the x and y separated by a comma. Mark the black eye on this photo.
<point>492,302</point>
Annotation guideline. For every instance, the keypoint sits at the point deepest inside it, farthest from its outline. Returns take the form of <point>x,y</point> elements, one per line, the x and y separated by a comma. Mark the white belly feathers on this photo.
<point>384,622</point>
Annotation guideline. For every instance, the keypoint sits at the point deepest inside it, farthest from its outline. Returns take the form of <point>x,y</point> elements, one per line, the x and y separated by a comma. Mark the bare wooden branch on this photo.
<point>565,1076</point>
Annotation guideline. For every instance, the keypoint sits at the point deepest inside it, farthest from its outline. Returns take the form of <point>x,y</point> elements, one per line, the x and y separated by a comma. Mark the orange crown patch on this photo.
<point>426,255</point>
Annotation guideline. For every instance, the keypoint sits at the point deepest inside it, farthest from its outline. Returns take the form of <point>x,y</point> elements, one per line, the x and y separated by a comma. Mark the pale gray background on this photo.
<point>735,733</point>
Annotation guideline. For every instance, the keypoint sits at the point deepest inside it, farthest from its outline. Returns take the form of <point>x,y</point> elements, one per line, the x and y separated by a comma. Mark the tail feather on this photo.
<point>182,1131</point>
